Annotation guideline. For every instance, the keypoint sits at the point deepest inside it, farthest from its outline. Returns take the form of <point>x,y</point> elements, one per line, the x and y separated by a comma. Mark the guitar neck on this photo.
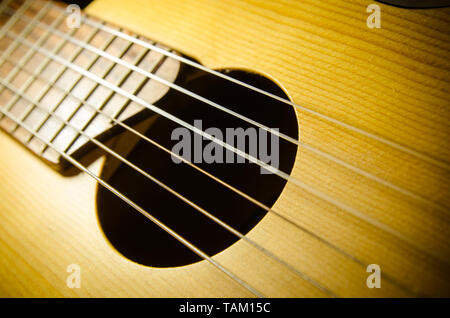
<point>62,82</point>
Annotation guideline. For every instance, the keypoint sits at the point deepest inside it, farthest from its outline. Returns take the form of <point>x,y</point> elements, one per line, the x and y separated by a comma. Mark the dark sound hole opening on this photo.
<point>140,240</point>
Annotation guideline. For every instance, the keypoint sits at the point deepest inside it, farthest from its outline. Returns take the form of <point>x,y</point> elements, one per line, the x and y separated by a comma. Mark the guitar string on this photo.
<point>233,231</point>
<point>169,189</point>
<point>234,277</point>
<point>67,92</point>
<point>251,289</point>
<point>42,66</point>
<point>306,187</point>
<point>72,58</point>
<point>308,147</point>
<point>201,254</point>
<point>19,92</point>
<point>353,168</point>
<point>11,22</point>
<point>393,280</point>
<point>309,109</point>
<point>238,234</point>
<point>138,208</point>
<point>24,60</point>
<point>11,48</point>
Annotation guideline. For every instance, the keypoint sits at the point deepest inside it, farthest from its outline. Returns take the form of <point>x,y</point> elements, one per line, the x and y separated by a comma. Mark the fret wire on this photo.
<point>41,95</point>
<point>290,139</point>
<point>25,32</point>
<point>343,206</point>
<point>111,93</point>
<point>62,98</point>
<point>309,109</point>
<point>71,58</point>
<point>141,85</point>
<point>134,205</point>
<point>74,55</point>
<point>12,21</point>
<point>181,197</point>
<point>110,68</point>
<point>122,80</point>
<point>26,58</point>
<point>75,111</point>
<point>237,191</point>
<point>14,17</point>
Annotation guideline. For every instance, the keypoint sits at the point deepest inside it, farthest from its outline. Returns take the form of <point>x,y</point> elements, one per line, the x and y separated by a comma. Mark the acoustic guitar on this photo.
<point>240,148</point>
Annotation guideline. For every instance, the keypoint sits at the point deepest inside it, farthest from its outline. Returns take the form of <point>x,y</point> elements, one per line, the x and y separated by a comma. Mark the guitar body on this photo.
<point>391,81</point>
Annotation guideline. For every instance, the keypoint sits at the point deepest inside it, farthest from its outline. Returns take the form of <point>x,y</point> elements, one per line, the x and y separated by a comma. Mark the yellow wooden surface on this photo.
<point>392,81</point>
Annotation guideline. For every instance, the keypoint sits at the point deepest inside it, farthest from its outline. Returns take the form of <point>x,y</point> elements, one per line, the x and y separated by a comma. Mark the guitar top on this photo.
<point>125,169</point>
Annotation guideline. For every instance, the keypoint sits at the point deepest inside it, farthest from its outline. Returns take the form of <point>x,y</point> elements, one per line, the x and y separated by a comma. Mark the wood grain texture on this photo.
<point>392,81</point>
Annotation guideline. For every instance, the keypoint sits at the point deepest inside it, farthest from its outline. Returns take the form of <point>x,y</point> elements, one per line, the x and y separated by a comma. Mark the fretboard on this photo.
<point>63,83</point>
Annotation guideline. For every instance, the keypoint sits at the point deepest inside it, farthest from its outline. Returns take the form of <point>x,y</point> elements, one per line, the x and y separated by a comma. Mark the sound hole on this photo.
<point>140,240</point>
